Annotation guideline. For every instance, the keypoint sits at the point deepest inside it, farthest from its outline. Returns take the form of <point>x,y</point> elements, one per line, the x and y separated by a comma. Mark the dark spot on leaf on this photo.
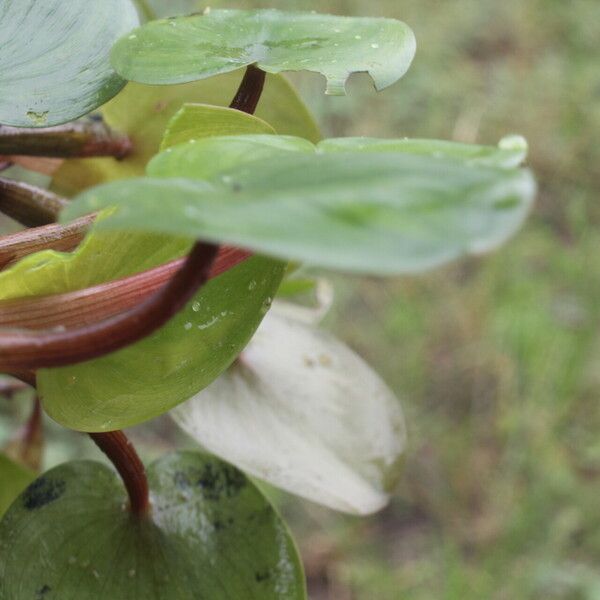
<point>261,576</point>
<point>215,481</point>
<point>220,524</point>
<point>42,492</point>
<point>41,593</point>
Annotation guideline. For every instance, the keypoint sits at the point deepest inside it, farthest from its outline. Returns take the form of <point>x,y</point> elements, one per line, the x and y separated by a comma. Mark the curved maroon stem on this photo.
<point>123,456</point>
<point>26,350</point>
<point>250,90</point>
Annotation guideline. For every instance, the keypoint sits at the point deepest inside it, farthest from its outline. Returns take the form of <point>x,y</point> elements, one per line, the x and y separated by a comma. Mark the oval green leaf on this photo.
<point>361,212</point>
<point>185,49</point>
<point>152,376</point>
<point>211,535</point>
<point>54,65</point>
<point>305,413</point>
<point>143,113</point>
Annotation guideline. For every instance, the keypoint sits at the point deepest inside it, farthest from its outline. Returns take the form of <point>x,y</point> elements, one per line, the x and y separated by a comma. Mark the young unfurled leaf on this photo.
<point>211,535</point>
<point>143,113</point>
<point>303,412</point>
<point>195,47</point>
<point>13,480</point>
<point>376,213</point>
<point>54,65</point>
<point>194,121</point>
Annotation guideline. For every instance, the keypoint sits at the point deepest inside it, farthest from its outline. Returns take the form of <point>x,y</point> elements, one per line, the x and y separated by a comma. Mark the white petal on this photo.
<point>305,413</point>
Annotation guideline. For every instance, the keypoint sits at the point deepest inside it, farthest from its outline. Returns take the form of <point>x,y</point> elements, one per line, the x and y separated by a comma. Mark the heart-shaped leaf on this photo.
<point>211,535</point>
<point>54,65</point>
<point>362,212</point>
<point>13,480</point>
<point>143,113</point>
<point>189,48</point>
<point>303,412</point>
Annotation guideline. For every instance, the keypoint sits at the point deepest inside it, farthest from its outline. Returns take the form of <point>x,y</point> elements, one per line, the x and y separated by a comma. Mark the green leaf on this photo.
<point>362,212</point>
<point>151,377</point>
<point>54,65</point>
<point>13,480</point>
<point>510,152</point>
<point>215,155</point>
<point>189,48</point>
<point>211,535</point>
<point>194,121</point>
<point>304,413</point>
<point>143,112</point>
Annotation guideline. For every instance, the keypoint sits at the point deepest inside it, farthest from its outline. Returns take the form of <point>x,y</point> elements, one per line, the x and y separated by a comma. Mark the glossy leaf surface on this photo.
<point>144,112</point>
<point>211,536</point>
<point>152,376</point>
<point>199,46</point>
<point>361,212</point>
<point>303,412</point>
<point>13,480</point>
<point>54,65</point>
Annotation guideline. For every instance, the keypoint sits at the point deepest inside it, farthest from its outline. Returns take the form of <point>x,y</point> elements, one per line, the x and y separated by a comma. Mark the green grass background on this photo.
<point>497,360</point>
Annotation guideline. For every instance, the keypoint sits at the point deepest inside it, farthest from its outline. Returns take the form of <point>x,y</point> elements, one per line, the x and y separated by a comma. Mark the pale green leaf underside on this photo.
<point>54,65</point>
<point>376,213</point>
<point>185,49</point>
<point>143,112</point>
<point>210,156</point>
<point>13,480</point>
<point>304,413</point>
<point>211,536</point>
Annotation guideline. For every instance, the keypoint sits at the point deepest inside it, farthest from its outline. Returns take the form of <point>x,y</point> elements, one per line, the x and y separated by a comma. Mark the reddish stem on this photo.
<point>250,90</point>
<point>48,237</point>
<point>26,350</point>
<point>80,139</point>
<point>89,305</point>
<point>123,456</point>
<point>29,205</point>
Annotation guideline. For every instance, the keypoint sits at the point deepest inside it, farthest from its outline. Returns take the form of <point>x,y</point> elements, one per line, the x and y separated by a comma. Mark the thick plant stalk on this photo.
<point>62,238</point>
<point>29,205</point>
<point>89,305</point>
<point>123,456</point>
<point>31,350</point>
<point>27,447</point>
<point>80,139</point>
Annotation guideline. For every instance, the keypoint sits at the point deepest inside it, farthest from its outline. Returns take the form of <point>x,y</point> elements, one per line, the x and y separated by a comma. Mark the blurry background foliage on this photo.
<point>497,359</point>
